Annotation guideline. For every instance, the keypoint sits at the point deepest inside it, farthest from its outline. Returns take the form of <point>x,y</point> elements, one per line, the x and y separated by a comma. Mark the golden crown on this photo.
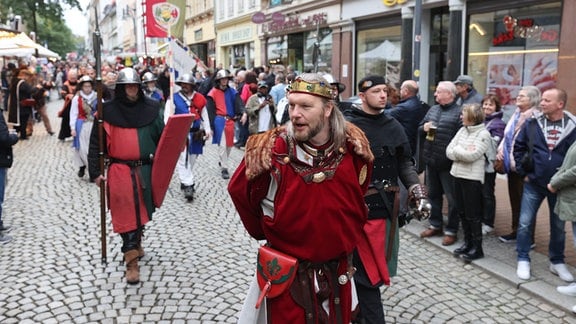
<point>319,88</point>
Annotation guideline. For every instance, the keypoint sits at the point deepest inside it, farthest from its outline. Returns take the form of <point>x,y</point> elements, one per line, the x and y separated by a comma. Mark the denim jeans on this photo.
<point>3,172</point>
<point>532,198</point>
<point>439,183</point>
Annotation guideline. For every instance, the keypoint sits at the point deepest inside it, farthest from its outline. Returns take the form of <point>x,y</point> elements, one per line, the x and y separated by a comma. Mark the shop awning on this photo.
<point>385,51</point>
<point>19,44</point>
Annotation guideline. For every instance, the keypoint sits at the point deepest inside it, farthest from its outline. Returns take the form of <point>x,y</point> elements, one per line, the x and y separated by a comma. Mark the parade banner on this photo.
<point>182,61</point>
<point>161,15</point>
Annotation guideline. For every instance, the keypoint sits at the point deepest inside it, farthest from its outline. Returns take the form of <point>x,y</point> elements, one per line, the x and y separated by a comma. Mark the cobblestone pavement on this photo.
<point>198,260</point>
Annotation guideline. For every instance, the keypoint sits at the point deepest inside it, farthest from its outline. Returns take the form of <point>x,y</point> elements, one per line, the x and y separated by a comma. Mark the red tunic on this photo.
<point>315,222</point>
<point>127,144</point>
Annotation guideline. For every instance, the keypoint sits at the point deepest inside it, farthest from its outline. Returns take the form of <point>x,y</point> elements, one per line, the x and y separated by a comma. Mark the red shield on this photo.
<point>171,143</point>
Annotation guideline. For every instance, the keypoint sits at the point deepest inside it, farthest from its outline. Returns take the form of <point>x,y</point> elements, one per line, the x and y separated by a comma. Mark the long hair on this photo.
<point>336,119</point>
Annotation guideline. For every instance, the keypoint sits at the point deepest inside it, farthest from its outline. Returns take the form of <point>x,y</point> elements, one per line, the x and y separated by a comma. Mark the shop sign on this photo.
<point>236,35</point>
<point>258,17</point>
<point>392,3</point>
<point>524,28</point>
<point>296,22</point>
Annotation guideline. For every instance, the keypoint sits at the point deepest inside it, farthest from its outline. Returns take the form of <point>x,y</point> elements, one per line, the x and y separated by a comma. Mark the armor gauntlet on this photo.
<point>418,202</point>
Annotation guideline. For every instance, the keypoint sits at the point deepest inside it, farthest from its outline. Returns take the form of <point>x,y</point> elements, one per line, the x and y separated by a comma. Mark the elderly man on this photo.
<point>409,111</point>
<point>441,124</point>
<point>545,139</point>
<point>276,189</point>
<point>466,92</point>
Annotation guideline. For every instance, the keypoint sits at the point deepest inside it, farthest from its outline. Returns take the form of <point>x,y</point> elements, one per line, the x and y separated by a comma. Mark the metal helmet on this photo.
<point>128,76</point>
<point>85,78</point>
<point>222,74</point>
<point>186,78</point>
<point>149,77</point>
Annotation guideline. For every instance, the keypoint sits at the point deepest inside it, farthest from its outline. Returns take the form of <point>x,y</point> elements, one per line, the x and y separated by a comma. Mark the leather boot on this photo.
<point>467,239</point>
<point>475,252</point>
<point>132,268</point>
<point>140,248</point>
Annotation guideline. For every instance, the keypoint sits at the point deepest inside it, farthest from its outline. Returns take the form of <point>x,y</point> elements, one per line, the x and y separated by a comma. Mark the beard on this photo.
<point>308,133</point>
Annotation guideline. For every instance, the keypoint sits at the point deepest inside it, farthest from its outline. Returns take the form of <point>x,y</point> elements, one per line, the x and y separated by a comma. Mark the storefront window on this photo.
<point>323,55</point>
<point>277,50</point>
<point>379,53</point>
<point>512,48</point>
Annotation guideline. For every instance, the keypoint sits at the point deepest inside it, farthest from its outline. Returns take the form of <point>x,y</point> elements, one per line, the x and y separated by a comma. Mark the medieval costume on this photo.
<point>132,132</point>
<point>21,102</point>
<point>224,108</point>
<point>82,110</point>
<point>307,202</point>
<point>188,101</point>
<point>376,258</point>
<point>68,91</point>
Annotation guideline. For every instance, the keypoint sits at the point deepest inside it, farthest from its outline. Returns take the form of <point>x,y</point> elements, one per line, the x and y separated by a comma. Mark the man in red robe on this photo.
<point>301,188</point>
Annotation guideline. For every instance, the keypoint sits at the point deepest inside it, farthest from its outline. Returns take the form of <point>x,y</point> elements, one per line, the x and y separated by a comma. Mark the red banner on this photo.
<point>161,14</point>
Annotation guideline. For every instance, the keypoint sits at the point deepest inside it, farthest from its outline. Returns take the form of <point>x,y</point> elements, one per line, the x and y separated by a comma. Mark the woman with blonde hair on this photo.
<point>467,150</point>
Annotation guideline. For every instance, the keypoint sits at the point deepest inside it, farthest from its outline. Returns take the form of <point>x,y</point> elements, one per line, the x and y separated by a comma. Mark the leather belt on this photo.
<point>374,191</point>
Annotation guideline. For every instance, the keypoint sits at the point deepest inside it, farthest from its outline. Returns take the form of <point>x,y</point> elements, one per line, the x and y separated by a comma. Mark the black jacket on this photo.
<point>447,119</point>
<point>6,142</point>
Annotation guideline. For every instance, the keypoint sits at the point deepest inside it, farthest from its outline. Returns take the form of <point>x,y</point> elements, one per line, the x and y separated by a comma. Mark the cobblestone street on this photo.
<point>199,259</point>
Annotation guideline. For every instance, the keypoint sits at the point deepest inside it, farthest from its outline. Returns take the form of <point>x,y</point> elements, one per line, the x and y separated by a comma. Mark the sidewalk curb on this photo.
<point>499,263</point>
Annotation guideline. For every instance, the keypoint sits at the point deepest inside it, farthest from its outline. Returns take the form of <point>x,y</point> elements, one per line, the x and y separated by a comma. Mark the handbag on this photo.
<point>499,166</point>
<point>275,272</point>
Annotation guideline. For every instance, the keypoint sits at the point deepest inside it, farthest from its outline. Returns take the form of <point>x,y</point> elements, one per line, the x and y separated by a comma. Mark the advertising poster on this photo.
<point>505,74</point>
<point>541,70</point>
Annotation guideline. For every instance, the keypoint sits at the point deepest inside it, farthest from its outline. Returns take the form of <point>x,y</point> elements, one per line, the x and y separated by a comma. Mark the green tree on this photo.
<point>47,17</point>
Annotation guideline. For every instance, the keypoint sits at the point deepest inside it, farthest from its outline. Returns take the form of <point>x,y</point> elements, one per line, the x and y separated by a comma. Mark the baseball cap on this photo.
<point>370,81</point>
<point>262,84</point>
<point>464,79</point>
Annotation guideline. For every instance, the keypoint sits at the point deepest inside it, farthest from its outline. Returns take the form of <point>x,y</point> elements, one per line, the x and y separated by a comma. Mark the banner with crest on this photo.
<point>165,18</point>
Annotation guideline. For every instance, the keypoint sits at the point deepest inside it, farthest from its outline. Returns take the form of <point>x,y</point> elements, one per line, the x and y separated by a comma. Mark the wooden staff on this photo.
<point>96,40</point>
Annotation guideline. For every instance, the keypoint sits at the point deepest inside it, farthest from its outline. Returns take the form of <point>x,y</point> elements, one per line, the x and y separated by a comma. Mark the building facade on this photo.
<point>503,45</point>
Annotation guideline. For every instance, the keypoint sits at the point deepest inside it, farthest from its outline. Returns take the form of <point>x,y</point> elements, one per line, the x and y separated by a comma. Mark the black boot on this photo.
<point>465,248</point>
<point>467,239</point>
<point>475,252</point>
<point>189,193</point>
<point>82,171</point>
<point>130,240</point>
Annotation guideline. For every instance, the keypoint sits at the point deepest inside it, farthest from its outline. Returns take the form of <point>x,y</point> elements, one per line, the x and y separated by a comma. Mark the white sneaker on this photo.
<point>561,271</point>
<point>574,309</point>
<point>486,229</point>
<point>523,270</point>
<point>569,290</point>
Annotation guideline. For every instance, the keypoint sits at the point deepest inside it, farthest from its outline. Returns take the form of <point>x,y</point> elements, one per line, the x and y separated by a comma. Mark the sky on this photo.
<point>76,21</point>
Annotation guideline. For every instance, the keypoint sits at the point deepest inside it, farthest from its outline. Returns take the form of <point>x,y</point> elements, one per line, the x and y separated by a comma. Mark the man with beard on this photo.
<point>67,92</point>
<point>224,108</point>
<point>132,125</point>
<point>188,101</point>
<point>276,190</point>
<point>376,258</point>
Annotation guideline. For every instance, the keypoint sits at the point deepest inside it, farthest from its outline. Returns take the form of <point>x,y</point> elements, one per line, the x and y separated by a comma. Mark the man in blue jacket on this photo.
<point>539,151</point>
